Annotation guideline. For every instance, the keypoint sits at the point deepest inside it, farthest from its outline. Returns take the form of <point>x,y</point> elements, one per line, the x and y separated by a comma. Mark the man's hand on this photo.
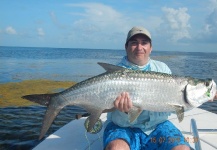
<point>215,98</point>
<point>123,102</point>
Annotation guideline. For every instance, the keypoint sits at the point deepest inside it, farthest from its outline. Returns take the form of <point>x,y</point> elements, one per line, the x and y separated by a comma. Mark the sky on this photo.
<point>175,25</point>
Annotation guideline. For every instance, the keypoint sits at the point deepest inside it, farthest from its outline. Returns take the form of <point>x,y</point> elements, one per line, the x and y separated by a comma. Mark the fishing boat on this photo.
<point>199,128</point>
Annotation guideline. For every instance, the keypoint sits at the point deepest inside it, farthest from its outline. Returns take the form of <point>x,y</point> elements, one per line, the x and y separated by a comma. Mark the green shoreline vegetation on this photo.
<point>11,93</point>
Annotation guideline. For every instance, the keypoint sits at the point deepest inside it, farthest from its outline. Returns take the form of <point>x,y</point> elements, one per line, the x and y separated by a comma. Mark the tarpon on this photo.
<point>151,91</point>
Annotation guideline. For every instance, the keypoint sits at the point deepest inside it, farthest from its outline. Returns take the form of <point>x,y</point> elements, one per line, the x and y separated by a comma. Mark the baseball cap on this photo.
<point>138,30</point>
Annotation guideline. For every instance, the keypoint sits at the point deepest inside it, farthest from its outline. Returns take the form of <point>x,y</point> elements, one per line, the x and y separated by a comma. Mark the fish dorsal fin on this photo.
<point>110,67</point>
<point>179,109</point>
<point>134,113</point>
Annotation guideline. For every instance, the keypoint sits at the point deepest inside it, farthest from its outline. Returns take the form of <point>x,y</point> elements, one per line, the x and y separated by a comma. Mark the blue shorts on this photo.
<point>165,136</point>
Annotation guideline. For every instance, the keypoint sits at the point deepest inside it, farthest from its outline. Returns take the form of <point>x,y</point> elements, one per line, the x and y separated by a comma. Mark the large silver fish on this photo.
<point>148,91</point>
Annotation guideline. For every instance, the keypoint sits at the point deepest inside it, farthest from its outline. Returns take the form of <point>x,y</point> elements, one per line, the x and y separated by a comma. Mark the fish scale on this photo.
<point>113,84</point>
<point>151,91</point>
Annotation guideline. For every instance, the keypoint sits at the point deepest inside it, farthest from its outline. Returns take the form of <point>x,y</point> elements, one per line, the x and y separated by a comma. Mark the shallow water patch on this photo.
<point>12,92</point>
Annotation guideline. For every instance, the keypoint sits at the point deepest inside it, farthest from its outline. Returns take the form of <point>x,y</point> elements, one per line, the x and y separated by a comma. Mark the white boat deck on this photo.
<point>74,136</point>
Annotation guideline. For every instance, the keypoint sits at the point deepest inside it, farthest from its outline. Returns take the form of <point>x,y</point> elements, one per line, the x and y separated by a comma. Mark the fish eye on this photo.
<point>207,82</point>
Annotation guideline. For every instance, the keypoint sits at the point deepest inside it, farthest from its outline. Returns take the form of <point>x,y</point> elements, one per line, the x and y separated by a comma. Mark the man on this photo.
<point>151,130</point>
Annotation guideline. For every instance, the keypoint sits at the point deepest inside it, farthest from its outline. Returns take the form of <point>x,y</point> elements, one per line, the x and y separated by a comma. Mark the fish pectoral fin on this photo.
<point>109,110</point>
<point>134,113</point>
<point>110,67</point>
<point>179,109</point>
<point>95,114</point>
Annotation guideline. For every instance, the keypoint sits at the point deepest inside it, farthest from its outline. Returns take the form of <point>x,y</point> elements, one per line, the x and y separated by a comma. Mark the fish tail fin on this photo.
<point>54,106</point>
<point>42,99</point>
<point>49,117</point>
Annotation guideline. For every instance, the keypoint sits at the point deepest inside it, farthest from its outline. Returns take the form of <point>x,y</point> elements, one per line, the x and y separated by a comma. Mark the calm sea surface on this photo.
<point>20,126</point>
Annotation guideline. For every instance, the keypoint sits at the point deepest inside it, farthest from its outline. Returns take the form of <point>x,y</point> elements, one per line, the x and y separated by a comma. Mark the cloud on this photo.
<point>97,12</point>
<point>208,33</point>
<point>56,21</point>
<point>10,30</point>
<point>211,22</point>
<point>176,23</point>
<point>98,19</point>
<point>40,32</point>
<point>102,23</point>
<point>212,5</point>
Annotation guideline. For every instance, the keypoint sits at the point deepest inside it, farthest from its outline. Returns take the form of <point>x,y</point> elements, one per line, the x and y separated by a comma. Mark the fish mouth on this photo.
<point>196,96</point>
<point>213,88</point>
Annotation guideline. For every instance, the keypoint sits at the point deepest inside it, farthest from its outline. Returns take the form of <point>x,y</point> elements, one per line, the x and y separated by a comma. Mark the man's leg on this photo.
<point>118,144</point>
<point>166,136</point>
<point>116,137</point>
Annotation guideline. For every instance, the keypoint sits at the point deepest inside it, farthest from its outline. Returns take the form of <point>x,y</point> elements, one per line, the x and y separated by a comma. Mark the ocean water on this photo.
<point>20,126</point>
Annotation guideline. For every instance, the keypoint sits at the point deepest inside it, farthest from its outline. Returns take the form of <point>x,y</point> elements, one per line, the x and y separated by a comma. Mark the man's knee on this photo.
<point>118,144</point>
<point>181,147</point>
